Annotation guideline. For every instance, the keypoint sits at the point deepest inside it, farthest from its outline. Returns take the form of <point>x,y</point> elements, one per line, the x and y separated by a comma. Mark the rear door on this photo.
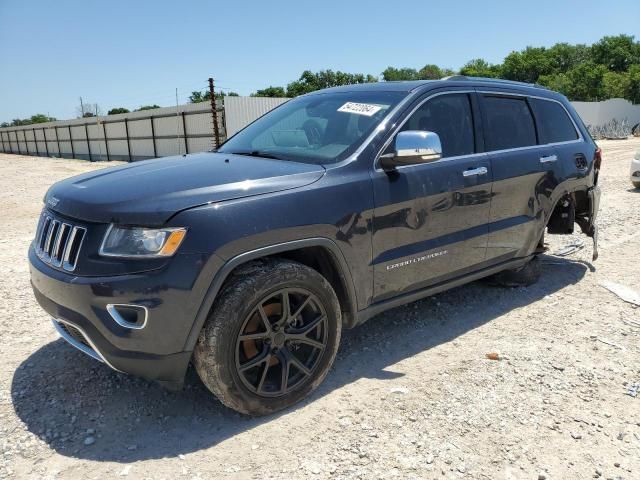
<point>520,181</point>
<point>430,220</point>
<point>569,162</point>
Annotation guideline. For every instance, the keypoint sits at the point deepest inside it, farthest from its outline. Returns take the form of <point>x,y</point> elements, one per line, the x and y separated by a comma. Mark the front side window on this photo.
<point>450,117</point>
<point>554,124</point>
<point>509,123</point>
<point>321,128</point>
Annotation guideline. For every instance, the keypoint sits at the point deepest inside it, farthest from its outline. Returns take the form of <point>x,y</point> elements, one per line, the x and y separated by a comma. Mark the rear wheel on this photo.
<point>636,184</point>
<point>271,337</point>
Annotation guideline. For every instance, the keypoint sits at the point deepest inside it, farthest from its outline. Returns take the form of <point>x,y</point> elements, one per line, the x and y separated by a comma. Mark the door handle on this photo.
<point>548,158</point>
<point>475,171</point>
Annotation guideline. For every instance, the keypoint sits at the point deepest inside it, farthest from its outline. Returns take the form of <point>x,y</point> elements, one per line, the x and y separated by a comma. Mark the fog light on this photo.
<point>129,316</point>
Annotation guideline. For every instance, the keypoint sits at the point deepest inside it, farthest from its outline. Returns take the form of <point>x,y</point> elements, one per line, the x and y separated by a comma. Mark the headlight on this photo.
<point>141,242</point>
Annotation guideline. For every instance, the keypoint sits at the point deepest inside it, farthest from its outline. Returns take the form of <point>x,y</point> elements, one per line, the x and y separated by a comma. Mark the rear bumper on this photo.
<point>78,306</point>
<point>634,172</point>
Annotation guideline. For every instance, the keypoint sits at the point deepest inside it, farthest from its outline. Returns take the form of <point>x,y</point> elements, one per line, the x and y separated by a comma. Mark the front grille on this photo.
<point>58,243</point>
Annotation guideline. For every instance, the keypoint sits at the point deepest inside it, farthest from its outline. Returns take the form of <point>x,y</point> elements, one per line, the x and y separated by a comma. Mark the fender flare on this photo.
<point>222,274</point>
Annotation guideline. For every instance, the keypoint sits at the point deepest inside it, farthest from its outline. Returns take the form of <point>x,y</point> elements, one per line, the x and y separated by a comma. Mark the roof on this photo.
<point>412,85</point>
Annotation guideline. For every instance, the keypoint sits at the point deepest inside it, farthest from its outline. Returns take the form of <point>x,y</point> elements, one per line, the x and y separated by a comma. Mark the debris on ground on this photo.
<point>625,293</point>
<point>568,249</point>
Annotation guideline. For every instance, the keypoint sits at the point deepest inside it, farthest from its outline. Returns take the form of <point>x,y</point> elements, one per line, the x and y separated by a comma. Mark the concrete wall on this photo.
<point>599,113</point>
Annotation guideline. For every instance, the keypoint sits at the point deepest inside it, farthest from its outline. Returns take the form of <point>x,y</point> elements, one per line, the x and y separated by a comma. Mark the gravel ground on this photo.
<point>412,393</point>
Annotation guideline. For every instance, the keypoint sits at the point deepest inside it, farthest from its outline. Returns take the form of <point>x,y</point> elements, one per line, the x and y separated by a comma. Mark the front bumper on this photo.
<point>78,306</point>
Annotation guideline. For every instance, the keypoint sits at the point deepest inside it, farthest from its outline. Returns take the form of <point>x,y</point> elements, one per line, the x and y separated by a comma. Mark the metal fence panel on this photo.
<point>240,111</point>
<point>136,135</point>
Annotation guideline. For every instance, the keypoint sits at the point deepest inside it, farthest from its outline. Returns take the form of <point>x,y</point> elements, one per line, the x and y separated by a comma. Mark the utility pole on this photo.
<point>214,111</point>
<point>81,108</point>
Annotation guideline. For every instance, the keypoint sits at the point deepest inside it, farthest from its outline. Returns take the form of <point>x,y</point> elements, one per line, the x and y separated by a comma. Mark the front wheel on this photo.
<point>270,338</point>
<point>636,184</point>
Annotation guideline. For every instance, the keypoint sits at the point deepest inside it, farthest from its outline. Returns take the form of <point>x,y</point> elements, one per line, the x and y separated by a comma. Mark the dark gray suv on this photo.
<point>333,207</point>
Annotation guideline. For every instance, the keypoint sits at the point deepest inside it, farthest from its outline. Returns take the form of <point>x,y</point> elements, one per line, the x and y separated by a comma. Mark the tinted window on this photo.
<point>450,117</point>
<point>554,125</point>
<point>509,123</point>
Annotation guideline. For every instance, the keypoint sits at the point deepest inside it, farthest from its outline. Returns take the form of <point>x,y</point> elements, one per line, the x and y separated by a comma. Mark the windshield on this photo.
<point>323,128</point>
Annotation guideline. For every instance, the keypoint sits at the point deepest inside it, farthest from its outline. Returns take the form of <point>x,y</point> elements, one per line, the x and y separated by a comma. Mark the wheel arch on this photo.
<point>321,254</point>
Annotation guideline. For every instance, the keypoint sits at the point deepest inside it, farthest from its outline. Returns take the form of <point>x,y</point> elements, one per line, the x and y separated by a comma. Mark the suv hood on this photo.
<point>149,192</point>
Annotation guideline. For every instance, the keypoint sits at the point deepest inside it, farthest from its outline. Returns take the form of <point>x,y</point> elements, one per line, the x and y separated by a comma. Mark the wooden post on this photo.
<point>153,138</point>
<point>86,136</point>
<point>58,141</point>
<point>106,140</point>
<point>46,144</point>
<point>126,131</point>
<point>184,134</point>
<point>35,139</point>
<point>73,152</point>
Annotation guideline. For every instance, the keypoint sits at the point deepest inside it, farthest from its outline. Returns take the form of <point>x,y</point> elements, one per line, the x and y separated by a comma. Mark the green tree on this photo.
<point>587,82</point>
<point>199,97</point>
<point>270,92</point>
<point>146,107</point>
<point>430,72</point>
<point>560,82</point>
<point>37,118</point>
<point>527,65</point>
<point>392,74</point>
<point>616,53</point>
<point>41,118</point>
<point>616,85</point>
<point>633,93</point>
<point>310,82</point>
<point>117,110</point>
<point>479,67</point>
<point>563,56</point>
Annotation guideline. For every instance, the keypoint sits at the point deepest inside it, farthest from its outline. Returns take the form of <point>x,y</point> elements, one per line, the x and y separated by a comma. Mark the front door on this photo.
<point>430,220</point>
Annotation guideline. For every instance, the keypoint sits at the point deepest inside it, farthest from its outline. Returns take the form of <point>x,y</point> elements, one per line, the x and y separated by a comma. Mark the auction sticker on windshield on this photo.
<point>367,109</point>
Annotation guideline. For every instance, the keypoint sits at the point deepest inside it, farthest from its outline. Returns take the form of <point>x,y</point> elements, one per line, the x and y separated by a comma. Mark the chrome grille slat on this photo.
<point>58,243</point>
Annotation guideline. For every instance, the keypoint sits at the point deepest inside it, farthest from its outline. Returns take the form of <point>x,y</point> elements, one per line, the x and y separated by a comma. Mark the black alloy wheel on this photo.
<point>281,341</point>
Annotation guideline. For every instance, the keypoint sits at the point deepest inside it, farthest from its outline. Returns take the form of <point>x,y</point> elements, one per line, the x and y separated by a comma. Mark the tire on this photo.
<point>636,184</point>
<point>250,305</point>
<point>524,276</point>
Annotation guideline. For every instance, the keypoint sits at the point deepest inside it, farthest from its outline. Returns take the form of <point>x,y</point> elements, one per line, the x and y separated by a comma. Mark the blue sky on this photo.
<point>128,53</point>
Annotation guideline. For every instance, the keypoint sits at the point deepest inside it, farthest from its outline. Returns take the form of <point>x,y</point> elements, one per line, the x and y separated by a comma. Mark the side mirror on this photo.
<point>413,147</point>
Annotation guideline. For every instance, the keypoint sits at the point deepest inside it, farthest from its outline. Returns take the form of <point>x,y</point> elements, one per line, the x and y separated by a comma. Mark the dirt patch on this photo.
<point>413,393</point>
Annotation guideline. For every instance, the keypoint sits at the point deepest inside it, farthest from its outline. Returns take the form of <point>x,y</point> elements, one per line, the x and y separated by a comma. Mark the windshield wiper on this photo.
<point>257,153</point>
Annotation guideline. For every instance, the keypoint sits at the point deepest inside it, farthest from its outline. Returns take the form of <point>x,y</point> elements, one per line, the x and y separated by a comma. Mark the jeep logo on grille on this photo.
<point>53,201</point>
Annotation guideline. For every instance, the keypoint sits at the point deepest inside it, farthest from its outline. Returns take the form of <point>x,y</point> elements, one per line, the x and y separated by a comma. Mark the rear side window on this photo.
<point>450,117</point>
<point>509,123</point>
<point>554,125</point>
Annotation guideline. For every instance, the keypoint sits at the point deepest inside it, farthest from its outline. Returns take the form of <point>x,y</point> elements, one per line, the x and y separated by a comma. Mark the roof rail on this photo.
<point>493,80</point>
